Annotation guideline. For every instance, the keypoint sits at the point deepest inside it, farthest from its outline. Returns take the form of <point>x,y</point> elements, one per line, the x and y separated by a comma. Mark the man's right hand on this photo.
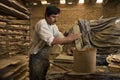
<point>73,37</point>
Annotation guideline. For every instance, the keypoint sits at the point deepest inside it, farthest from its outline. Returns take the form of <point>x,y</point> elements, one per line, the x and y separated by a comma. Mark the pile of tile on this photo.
<point>114,62</point>
<point>14,67</point>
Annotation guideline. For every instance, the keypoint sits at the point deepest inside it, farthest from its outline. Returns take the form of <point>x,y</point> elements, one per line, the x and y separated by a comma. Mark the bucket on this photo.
<point>85,60</point>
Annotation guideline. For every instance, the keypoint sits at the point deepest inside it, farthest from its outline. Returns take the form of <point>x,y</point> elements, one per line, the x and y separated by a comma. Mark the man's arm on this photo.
<point>67,39</point>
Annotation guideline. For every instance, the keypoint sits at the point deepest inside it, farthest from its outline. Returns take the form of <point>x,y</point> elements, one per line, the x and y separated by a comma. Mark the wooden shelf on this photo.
<point>18,22</point>
<point>16,28</point>
<point>14,39</point>
<point>2,33</point>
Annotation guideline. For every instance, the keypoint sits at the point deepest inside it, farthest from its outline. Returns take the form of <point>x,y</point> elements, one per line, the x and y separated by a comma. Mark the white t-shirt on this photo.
<point>43,32</point>
<point>47,32</point>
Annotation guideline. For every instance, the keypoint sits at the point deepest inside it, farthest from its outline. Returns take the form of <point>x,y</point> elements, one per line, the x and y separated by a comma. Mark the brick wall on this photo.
<point>70,14</point>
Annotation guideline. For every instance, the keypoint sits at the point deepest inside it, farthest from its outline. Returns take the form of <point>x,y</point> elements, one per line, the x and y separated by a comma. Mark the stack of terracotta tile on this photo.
<point>14,67</point>
<point>114,62</point>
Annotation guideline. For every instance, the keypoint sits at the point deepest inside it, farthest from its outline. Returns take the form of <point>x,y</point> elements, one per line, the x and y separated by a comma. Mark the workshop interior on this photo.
<point>94,56</point>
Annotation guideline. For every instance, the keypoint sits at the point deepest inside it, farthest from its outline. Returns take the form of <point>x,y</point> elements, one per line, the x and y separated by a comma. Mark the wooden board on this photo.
<point>12,70</point>
<point>13,12</point>
<point>4,62</point>
<point>64,58</point>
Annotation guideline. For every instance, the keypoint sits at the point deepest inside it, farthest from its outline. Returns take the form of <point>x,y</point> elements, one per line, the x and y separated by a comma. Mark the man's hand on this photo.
<point>68,39</point>
<point>73,37</point>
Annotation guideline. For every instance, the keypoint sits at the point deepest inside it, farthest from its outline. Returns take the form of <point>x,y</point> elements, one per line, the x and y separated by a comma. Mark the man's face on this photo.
<point>52,18</point>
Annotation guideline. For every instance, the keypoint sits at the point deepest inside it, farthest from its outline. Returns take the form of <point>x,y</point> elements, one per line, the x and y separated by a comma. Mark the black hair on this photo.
<point>51,9</point>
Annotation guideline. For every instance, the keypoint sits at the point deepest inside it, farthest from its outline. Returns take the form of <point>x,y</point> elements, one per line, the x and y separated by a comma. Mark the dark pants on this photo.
<point>38,66</point>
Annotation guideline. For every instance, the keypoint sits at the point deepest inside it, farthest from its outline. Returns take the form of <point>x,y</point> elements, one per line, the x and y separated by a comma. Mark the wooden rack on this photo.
<point>14,40</point>
<point>14,33</point>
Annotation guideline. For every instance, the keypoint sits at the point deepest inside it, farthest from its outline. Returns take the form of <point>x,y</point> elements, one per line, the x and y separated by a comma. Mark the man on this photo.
<point>45,35</point>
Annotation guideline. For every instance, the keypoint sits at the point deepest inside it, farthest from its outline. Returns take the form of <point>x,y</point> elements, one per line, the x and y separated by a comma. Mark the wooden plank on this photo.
<point>21,75</point>
<point>19,7</point>
<point>4,20</point>
<point>86,1</point>
<point>15,5</point>
<point>12,70</point>
<point>18,22</point>
<point>13,12</point>
<point>64,58</point>
<point>27,78</point>
<point>4,62</point>
<point>93,1</point>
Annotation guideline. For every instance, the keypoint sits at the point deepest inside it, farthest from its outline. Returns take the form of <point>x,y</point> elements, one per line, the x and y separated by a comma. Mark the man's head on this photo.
<point>51,14</point>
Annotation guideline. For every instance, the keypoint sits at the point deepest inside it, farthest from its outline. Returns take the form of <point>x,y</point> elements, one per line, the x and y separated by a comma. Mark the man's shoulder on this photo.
<point>41,21</point>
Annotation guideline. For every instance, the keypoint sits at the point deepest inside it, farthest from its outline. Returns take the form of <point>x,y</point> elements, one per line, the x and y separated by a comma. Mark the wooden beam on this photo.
<point>13,12</point>
<point>18,22</point>
<point>53,1</point>
<point>15,5</point>
<point>93,1</point>
<point>86,1</point>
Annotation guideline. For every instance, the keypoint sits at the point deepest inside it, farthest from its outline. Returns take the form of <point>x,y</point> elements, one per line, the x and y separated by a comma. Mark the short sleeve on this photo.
<point>44,33</point>
<point>57,33</point>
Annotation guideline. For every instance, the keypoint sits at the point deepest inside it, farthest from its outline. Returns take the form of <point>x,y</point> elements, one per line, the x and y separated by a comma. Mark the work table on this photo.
<point>63,70</point>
